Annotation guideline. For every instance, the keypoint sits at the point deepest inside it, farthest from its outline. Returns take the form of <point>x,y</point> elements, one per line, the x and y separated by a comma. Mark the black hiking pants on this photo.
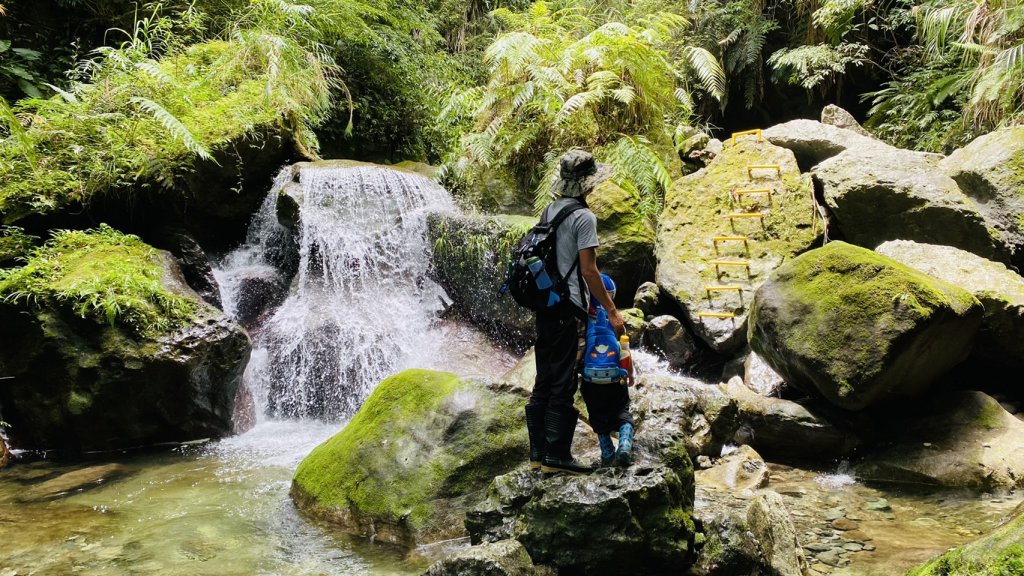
<point>560,338</point>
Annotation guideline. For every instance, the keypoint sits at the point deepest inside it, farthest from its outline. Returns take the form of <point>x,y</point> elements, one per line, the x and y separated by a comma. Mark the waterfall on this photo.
<point>360,306</point>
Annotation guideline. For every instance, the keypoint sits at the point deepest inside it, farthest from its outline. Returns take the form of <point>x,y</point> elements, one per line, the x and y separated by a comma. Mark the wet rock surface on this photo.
<point>739,471</point>
<point>71,482</point>
<point>673,412</point>
<point>614,521</point>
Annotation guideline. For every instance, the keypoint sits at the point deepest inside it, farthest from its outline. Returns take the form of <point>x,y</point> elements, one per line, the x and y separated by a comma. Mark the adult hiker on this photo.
<point>550,415</point>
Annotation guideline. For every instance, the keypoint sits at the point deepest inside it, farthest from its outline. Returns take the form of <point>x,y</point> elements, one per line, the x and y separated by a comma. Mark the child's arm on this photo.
<point>630,381</point>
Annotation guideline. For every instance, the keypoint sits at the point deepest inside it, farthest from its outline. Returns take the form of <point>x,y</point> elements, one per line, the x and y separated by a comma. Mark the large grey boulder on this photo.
<point>879,193</point>
<point>502,558</point>
<point>1001,292</point>
<point>968,440</point>
<point>670,338</point>
<point>990,170</point>
<point>80,385</point>
<point>812,141</point>
<point>786,429</point>
<point>614,521</point>
<point>773,530</point>
<point>697,209</point>
<point>857,328</point>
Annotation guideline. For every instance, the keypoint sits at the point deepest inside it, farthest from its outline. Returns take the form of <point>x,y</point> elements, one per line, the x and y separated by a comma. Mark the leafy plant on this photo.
<point>100,274</point>
<point>558,81</point>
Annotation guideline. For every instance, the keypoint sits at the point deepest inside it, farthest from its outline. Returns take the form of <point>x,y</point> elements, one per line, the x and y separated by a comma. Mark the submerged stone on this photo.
<point>858,328</point>
<point>74,481</point>
<point>405,467</point>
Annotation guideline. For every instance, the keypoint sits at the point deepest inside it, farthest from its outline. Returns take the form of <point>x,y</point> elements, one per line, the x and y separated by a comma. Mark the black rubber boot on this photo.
<point>560,426</point>
<point>535,429</point>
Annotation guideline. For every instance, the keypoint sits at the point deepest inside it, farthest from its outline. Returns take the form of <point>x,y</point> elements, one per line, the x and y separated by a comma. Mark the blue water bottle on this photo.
<point>542,279</point>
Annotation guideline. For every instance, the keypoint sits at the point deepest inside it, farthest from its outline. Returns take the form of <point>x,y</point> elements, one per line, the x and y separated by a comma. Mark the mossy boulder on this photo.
<point>405,468</point>
<point>676,413</point>
<point>615,521</point>
<point>1001,292</point>
<point>469,260</point>
<point>813,142</point>
<point>107,347</point>
<point>967,440</point>
<point>1000,553</point>
<point>990,170</point>
<point>697,208</point>
<point>858,328</point>
<point>502,558</point>
<point>627,239</point>
<point>878,193</point>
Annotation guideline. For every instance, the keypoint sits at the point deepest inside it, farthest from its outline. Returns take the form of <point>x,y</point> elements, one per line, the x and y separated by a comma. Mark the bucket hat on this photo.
<point>579,173</point>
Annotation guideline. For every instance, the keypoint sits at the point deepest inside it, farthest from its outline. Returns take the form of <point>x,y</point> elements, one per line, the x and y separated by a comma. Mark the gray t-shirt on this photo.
<point>577,231</point>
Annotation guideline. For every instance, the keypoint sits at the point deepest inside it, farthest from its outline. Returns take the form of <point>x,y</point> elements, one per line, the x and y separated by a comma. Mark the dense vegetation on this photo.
<point>119,96</point>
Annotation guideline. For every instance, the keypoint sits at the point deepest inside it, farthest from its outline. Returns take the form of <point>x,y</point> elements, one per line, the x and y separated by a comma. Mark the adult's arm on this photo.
<point>592,276</point>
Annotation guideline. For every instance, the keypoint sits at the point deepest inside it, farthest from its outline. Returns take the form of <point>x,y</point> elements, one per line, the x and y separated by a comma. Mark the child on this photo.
<point>605,389</point>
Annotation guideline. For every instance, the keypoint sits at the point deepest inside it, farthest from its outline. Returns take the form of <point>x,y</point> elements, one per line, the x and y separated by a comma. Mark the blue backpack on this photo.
<point>601,355</point>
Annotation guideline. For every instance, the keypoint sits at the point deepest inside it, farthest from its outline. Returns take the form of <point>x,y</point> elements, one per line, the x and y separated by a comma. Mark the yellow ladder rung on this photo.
<point>752,191</point>
<point>717,239</point>
<point>746,215</point>
<point>747,133</point>
<point>716,315</point>
<point>752,167</point>
<point>710,289</point>
<point>730,263</point>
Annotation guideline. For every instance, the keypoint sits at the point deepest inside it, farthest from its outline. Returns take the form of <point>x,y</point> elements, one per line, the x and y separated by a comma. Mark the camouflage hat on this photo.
<point>579,174</point>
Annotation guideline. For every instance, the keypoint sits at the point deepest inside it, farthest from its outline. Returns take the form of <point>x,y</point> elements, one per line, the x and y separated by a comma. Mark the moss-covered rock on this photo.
<point>109,348</point>
<point>1001,292</point>
<point>990,170</point>
<point>470,258</point>
<point>421,446</point>
<point>697,208</point>
<point>967,440</point>
<point>1000,553</point>
<point>859,328</point>
<point>879,193</point>
<point>627,239</point>
<point>612,522</point>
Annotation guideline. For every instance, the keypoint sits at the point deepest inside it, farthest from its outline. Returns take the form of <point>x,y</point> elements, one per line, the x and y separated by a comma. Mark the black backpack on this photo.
<point>523,283</point>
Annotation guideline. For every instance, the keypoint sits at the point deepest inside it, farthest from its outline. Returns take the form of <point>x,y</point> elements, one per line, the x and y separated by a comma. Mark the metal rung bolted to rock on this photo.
<point>712,289</point>
<point>756,131</point>
<point>738,194</point>
<point>716,239</point>
<point>719,264</point>
<point>752,167</point>
<point>719,315</point>
<point>744,216</point>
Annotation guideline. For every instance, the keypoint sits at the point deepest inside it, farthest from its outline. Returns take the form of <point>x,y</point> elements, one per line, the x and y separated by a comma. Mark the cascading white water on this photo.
<point>360,306</point>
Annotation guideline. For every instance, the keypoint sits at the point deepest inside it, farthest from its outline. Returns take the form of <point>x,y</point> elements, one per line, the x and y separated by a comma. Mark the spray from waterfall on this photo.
<point>360,306</point>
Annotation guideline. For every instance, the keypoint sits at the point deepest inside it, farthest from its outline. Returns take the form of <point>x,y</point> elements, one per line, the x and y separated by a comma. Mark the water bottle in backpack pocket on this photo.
<point>533,278</point>
<point>601,357</point>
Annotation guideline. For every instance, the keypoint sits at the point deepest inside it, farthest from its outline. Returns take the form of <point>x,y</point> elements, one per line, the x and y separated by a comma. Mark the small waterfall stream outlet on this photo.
<point>360,305</point>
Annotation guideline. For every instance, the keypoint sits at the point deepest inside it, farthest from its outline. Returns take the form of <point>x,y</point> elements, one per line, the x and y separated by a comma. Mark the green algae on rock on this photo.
<point>859,328</point>
<point>403,469</point>
<point>697,208</point>
<point>1000,553</point>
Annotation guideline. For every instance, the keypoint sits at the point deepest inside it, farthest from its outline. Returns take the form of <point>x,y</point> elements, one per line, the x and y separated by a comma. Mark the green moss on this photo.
<point>697,208</point>
<point>14,245</point>
<point>101,274</point>
<point>854,296</point>
<point>78,403</point>
<point>411,444</point>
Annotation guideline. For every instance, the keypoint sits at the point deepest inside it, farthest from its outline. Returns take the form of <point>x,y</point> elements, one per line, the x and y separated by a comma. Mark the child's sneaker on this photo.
<point>624,455</point>
<point>607,450</point>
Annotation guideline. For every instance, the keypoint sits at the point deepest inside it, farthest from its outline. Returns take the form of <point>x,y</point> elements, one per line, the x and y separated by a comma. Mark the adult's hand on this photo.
<point>615,319</point>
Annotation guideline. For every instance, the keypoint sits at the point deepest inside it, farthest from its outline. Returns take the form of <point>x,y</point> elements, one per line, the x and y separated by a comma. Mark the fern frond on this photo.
<point>173,126</point>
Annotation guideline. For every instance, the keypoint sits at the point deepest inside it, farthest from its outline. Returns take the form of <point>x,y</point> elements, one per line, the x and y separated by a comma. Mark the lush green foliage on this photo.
<point>101,274</point>
<point>558,80</point>
<point>14,245</point>
<point>145,109</point>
